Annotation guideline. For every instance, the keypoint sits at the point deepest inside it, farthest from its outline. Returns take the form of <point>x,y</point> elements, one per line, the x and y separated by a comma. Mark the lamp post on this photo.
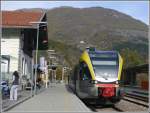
<point>36,55</point>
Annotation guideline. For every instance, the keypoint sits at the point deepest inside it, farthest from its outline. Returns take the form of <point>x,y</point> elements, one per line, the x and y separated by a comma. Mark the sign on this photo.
<point>43,64</point>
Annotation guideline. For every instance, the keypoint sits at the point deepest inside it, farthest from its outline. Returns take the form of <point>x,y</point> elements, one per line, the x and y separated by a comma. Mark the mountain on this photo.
<point>106,29</point>
<point>71,30</point>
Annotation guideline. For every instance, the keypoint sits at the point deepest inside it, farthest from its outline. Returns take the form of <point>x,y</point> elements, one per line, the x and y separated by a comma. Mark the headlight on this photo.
<point>117,82</point>
<point>94,81</point>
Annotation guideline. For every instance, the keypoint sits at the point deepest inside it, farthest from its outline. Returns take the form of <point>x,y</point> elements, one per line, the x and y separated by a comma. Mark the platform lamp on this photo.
<point>38,26</point>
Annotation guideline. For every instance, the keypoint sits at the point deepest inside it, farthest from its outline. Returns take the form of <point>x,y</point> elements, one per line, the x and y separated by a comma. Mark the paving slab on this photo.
<point>58,98</point>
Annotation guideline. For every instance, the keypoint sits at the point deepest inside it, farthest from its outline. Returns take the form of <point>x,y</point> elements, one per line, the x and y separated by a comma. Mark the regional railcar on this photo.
<point>97,76</point>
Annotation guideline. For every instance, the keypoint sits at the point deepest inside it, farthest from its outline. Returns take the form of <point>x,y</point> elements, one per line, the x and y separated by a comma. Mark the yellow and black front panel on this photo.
<point>104,66</point>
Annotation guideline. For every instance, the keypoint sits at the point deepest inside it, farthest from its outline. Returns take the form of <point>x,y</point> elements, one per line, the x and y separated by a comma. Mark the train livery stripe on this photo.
<point>85,57</point>
<point>120,67</point>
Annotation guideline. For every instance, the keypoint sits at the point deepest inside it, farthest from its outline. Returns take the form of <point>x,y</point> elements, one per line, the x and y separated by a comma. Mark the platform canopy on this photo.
<point>139,68</point>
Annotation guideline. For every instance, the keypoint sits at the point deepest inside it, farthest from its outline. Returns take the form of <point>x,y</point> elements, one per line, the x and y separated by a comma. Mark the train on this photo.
<point>97,77</point>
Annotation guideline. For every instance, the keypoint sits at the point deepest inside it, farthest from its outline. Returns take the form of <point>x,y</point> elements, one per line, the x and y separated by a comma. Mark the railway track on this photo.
<point>98,108</point>
<point>128,103</point>
<point>122,106</point>
<point>143,101</point>
<point>138,97</point>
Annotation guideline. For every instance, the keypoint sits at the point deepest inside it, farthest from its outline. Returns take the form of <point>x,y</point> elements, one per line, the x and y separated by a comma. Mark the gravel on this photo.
<point>128,106</point>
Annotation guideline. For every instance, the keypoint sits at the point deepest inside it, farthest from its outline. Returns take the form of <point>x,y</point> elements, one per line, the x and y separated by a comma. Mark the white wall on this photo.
<point>11,47</point>
<point>11,44</point>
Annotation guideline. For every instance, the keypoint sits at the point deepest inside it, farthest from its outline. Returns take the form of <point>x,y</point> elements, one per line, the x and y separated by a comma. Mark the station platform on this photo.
<point>56,98</point>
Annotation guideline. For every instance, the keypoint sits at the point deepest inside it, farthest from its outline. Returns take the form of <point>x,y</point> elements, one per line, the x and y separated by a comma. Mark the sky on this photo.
<point>137,9</point>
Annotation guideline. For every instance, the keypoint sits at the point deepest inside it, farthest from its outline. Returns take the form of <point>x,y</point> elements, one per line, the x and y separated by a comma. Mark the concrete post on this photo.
<point>62,75</point>
<point>32,73</point>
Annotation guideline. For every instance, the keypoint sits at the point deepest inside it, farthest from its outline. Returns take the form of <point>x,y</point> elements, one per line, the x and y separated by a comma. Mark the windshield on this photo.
<point>105,71</point>
<point>107,68</point>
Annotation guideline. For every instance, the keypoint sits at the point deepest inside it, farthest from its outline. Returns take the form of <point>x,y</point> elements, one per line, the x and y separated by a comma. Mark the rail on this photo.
<point>140,100</point>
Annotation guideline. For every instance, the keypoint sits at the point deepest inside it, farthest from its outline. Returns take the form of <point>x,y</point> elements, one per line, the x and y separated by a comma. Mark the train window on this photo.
<point>84,72</point>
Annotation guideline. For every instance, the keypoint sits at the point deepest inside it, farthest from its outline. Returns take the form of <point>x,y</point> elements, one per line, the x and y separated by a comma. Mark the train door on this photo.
<point>84,79</point>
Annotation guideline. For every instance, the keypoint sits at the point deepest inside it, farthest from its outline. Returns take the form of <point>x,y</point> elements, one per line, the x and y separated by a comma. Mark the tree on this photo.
<point>131,57</point>
<point>59,73</point>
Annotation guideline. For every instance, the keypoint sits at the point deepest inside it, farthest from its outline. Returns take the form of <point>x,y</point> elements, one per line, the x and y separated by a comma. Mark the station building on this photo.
<point>19,37</point>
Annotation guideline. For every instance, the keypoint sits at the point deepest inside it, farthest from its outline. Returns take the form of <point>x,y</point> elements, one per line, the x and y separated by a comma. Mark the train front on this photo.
<point>106,67</point>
